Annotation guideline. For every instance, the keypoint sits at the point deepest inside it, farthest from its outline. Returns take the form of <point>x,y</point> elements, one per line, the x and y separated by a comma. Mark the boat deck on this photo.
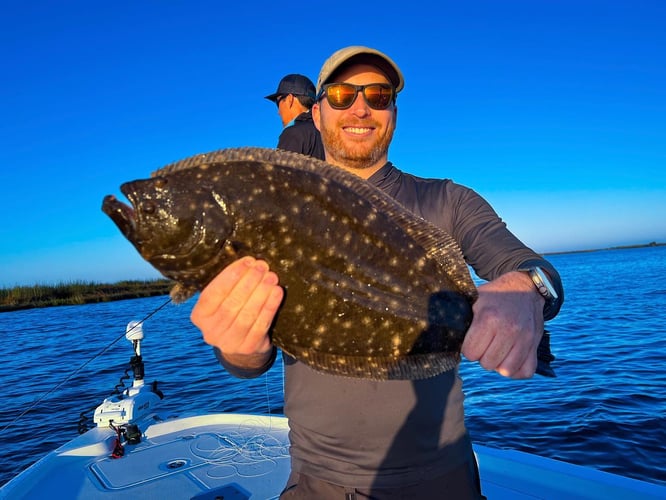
<point>239,457</point>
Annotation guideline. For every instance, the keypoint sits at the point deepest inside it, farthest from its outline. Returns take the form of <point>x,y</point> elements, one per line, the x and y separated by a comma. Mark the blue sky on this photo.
<point>554,111</point>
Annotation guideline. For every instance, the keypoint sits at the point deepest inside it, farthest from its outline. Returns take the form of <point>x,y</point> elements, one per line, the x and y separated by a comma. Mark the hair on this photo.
<point>305,100</point>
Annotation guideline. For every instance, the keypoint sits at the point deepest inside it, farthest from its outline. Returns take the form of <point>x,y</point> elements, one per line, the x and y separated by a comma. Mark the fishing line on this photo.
<point>268,403</point>
<point>268,395</point>
<point>58,386</point>
<point>251,454</point>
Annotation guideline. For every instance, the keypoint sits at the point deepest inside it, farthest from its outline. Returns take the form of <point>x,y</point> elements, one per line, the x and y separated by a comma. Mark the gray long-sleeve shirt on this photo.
<point>364,433</point>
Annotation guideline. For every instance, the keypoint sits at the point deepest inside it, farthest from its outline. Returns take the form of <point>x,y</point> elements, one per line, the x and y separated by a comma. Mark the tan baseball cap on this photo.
<point>359,54</point>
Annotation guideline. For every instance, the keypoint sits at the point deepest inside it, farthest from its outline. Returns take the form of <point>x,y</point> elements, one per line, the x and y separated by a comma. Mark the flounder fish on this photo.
<point>371,290</point>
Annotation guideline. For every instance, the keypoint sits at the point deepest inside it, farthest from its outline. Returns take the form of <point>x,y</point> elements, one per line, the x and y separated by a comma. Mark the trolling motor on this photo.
<point>134,402</point>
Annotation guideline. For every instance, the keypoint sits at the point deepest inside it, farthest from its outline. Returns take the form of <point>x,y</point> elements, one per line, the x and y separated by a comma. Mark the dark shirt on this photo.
<point>487,245</point>
<point>302,137</point>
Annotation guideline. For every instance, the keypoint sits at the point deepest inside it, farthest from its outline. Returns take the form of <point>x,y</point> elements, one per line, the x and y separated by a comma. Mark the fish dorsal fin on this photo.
<point>438,243</point>
<point>262,155</point>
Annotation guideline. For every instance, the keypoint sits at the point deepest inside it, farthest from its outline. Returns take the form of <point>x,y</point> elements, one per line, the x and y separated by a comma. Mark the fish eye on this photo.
<point>148,208</point>
<point>160,182</point>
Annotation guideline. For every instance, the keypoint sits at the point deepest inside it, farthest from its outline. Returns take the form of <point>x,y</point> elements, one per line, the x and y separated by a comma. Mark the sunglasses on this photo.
<point>279,99</point>
<point>342,95</point>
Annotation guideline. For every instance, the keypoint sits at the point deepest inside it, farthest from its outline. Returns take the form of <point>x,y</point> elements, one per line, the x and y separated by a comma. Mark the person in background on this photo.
<point>294,98</point>
<point>363,439</point>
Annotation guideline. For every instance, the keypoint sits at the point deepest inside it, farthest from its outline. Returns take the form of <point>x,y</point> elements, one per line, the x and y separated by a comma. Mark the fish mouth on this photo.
<point>121,214</point>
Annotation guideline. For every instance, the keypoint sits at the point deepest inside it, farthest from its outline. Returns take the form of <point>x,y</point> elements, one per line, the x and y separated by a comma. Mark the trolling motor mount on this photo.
<point>134,402</point>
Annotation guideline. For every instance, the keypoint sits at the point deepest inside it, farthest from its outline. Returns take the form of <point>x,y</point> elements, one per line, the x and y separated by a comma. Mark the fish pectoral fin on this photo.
<point>232,249</point>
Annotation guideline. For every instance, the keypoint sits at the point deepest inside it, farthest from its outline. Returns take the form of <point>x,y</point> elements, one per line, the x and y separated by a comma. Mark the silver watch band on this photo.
<point>543,286</point>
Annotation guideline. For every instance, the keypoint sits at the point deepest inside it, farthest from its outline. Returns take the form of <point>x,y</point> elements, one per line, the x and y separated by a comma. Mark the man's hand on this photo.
<point>507,326</point>
<point>235,311</point>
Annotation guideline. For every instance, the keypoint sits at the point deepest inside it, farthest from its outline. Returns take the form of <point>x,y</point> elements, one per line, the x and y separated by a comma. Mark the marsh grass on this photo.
<point>81,292</point>
<point>78,292</point>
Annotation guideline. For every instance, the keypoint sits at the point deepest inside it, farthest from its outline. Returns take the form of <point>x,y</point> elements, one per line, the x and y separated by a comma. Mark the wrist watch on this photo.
<point>543,285</point>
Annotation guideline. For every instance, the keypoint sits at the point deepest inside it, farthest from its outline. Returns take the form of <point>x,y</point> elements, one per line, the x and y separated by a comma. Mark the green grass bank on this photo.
<point>77,293</point>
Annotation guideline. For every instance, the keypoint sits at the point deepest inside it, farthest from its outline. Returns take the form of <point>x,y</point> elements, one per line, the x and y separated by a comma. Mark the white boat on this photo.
<point>133,453</point>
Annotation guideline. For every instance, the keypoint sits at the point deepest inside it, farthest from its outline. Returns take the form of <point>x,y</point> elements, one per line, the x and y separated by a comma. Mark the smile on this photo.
<point>358,130</point>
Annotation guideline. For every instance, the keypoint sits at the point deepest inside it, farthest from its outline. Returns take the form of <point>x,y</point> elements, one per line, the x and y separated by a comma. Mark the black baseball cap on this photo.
<point>293,84</point>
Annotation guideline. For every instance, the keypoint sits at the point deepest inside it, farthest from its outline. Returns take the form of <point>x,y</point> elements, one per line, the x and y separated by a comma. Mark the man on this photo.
<point>294,98</point>
<point>354,438</point>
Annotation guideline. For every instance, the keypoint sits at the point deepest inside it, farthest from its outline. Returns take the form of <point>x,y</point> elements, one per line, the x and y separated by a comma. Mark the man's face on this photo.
<point>284,108</point>
<point>356,138</point>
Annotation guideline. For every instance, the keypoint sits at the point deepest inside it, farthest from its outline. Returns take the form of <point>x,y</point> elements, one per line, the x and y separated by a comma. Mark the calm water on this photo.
<point>606,408</point>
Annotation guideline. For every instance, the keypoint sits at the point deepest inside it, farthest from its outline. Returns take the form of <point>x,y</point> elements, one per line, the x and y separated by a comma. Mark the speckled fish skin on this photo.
<point>372,291</point>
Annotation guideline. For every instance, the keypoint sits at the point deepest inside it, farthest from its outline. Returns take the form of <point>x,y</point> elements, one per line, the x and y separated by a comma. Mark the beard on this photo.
<point>353,154</point>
